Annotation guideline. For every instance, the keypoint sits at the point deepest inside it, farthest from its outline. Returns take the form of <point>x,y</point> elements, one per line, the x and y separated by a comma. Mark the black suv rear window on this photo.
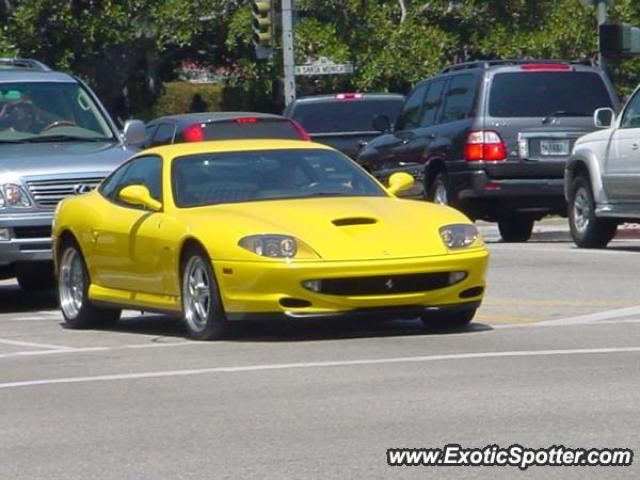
<point>250,128</point>
<point>538,94</point>
<point>345,115</point>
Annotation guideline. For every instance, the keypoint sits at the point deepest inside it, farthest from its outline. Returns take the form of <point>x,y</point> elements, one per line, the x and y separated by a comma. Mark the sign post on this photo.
<point>287,52</point>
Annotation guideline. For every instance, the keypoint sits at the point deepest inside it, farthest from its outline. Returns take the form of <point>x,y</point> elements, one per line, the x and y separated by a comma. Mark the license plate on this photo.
<point>553,148</point>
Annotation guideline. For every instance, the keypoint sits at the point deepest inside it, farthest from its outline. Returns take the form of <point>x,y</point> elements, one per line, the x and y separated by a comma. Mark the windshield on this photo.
<point>49,111</point>
<point>232,177</point>
<point>539,94</point>
<point>345,115</point>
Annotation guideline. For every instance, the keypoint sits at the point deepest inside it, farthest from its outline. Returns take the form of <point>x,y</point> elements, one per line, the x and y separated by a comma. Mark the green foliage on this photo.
<point>178,97</point>
<point>127,49</point>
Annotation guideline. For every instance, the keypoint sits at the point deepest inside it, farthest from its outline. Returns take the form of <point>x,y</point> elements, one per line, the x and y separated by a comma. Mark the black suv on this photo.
<point>492,137</point>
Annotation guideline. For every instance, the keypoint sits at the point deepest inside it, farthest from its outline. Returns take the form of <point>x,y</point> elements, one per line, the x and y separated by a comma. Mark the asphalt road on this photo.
<point>551,360</point>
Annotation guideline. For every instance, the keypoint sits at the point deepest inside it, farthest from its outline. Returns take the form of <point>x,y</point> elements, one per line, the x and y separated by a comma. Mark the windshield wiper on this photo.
<point>564,113</point>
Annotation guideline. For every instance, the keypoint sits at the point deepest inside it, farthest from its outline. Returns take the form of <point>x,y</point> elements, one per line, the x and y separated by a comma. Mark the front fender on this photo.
<point>583,158</point>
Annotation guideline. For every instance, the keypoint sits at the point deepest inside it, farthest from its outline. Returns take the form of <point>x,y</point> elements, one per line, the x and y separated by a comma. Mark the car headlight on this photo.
<point>277,246</point>
<point>459,236</point>
<point>12,195</point>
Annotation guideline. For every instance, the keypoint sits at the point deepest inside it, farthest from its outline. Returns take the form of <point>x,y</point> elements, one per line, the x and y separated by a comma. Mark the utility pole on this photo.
<point>287,52</point>
<point>602,19</point>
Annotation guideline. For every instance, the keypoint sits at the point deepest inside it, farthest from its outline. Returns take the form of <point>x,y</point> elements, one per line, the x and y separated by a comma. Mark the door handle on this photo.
<point>635,146</point>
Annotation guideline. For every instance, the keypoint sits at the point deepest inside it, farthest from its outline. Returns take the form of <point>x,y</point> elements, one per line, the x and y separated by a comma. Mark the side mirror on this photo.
<point>399,182</point>
<point>603,117</point>
<point>139,196</point>
<point>134,132</point>
<point>381,123</point>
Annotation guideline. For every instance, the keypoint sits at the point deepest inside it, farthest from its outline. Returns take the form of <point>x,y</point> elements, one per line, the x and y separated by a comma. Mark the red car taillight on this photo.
<point>193,133</point>
<point>485,145</point>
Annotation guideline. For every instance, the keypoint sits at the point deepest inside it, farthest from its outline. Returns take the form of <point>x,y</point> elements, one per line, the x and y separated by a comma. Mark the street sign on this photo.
<point>324,66</point>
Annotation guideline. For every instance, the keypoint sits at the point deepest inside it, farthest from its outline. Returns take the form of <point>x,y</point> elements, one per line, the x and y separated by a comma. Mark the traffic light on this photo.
<point>263,27</point>
<point>619,40</point>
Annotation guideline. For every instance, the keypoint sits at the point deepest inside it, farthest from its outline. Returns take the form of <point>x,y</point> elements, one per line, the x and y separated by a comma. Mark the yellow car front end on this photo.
<point>400,287</point>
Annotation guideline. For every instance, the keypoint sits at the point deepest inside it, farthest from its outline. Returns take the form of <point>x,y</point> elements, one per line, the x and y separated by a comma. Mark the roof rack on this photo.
<point>23,63</point>
<point>484,64</point>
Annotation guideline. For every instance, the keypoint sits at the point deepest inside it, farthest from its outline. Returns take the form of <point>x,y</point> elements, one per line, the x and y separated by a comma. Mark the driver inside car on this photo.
<point>19,116</point>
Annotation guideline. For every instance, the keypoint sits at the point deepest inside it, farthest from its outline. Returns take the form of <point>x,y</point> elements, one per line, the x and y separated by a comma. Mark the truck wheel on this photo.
<point>587,230</point>
<point>515,229</point>
<point>35,276</point>
<point>73,288</point>
<point>439,189</point>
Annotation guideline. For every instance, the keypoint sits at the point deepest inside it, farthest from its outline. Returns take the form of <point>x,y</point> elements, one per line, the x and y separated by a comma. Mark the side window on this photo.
<point>145,171</point>
<point>163,135</point>
<point>631,115</point>
<point>459,98</point>
<point>432,103</point>
<point>150,131</point>
<point>410,116</point>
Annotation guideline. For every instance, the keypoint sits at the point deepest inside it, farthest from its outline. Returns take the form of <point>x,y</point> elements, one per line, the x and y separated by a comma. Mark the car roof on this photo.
<point>221,146</point>
<point>207,117</point>
<point>28,75</point>
<point>334,97</point>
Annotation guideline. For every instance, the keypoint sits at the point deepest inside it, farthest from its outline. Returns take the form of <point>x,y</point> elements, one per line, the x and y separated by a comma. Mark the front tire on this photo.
<point>439,189</point>
<point>587,230</point>
<point>73,288</point>
<point>202,308</point>
<point>515,229</point>
<point>449,319</point>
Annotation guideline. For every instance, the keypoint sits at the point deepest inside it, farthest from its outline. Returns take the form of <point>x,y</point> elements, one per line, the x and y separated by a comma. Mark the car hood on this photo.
<point>55,159</point>
<point>336,228</point>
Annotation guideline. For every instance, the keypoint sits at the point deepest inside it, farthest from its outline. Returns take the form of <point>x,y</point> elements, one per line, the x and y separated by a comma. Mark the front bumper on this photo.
<point>30,238</point>
<point>263,289</point>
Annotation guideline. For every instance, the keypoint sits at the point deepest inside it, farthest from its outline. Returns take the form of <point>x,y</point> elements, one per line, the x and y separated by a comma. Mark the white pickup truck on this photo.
<point>602,176</point>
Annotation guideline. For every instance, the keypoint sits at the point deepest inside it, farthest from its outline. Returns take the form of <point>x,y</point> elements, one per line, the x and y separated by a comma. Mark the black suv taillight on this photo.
<point>485,146</point>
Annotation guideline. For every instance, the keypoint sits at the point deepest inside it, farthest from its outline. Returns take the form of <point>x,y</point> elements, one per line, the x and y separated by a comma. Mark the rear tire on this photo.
<point>515,229</point>
<point>438,191</point>
<point>587,230</point>
<point>202,308</point>
<point>36,276</point>
<point>449,319</point>
<point>73,288</point>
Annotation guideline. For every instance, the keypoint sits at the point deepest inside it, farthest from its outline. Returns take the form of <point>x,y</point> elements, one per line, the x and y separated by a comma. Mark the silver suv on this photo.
<point>602,177</point>
<point>56,139</point>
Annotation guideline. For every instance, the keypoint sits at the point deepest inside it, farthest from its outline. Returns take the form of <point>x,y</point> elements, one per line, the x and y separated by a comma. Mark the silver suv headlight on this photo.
<point>459,236</point>
<point>12,195</point>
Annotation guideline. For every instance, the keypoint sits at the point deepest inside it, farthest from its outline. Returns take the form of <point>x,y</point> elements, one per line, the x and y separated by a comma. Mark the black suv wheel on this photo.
<point>515,229</point>
<point>438,189</point>
<point>587,230</point>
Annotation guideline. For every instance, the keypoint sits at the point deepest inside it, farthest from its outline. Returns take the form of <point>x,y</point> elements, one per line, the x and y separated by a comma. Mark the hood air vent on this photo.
<point>347,222</point>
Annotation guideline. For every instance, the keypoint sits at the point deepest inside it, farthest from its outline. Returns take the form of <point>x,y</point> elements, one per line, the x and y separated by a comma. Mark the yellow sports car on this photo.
<point>250,229</point>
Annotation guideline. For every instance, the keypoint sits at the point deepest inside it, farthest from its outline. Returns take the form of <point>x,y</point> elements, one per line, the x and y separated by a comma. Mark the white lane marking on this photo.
<point>99,349</point>
<point>340,363</point>
<point>579,319</point>
<point>31,344</point>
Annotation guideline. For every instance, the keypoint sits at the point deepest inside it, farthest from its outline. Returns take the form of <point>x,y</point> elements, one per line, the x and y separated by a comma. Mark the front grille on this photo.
<point>35,247</point>
<point>386,284</point>
<point>47,193</point>
<point>32,232</point>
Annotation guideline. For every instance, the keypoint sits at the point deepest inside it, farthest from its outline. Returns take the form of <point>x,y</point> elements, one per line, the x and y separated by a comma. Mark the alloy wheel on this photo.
<point>72,283</point>
<point>197,294</point>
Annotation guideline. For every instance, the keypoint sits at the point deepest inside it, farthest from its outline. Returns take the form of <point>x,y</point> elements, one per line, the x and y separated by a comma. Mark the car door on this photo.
<point>622,168</point>
<point>126,239</point>
<point>395,153</point>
